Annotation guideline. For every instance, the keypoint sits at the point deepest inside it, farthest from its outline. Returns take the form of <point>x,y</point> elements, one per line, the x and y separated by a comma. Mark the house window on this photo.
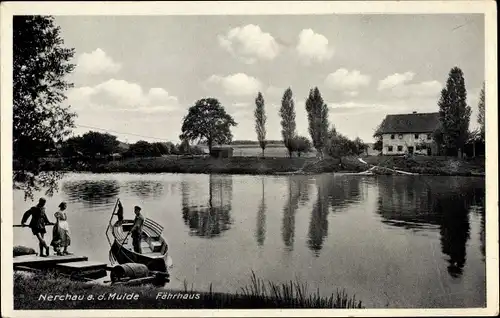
<point>416,136</point>
<point>400,136</point>
<point>392,136</point>
<point>400,148</point>
<point>389,148</point>
<point>429,136</point>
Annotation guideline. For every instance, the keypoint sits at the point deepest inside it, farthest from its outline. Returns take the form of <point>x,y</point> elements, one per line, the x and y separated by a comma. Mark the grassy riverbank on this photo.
<point>32,291</point>
<point>447,166</point>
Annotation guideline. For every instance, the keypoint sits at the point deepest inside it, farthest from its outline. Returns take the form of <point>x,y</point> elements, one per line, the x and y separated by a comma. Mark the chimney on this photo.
<point>414,112</point>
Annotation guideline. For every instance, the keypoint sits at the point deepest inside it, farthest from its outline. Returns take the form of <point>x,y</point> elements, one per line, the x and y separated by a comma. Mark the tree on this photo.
<point>95,144</point>
<point>260,121</point>
<point>287,113</point>
<point>301,145</point>
<point>317,115</point>
<point>480,115</point>
<point>454,112</point>
<point>40,121</point>
<point>145,149</point>
<point>338,145</point>
<point>207,121</point>
<point>378,145</point>
<point>358,146</point>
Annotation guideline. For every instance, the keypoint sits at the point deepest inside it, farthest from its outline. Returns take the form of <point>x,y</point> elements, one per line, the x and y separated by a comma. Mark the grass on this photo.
<point>259,294</point>
<point>256,165</point>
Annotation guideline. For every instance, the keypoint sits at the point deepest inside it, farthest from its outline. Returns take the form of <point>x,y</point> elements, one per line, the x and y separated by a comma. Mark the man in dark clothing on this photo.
<point>136,230</point>
<point>119,213</point>
<point>37,224</point>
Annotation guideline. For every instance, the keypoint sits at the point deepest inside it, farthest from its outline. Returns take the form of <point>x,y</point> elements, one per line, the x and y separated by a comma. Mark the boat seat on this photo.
<point>156,246</point>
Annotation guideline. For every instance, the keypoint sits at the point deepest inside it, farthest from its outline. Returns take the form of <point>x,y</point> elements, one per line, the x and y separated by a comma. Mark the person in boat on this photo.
<point>136,231</point>
<point>37,224</point>
<point>119,213</point>
<point>60,233</point>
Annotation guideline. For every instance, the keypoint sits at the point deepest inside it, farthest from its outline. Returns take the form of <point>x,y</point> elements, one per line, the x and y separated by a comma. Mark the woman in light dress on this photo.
<point>60,233</point>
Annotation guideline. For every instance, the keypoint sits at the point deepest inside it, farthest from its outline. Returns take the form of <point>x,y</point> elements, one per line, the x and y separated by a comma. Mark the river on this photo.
<point>393,241</point>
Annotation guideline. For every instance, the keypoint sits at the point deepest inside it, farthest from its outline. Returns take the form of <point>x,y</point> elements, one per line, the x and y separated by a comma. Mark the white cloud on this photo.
<point>347,81</point>
<point>250,43</point>
<point>96,62</point>
<point>120,95</point>
<point>238,84</point>
<point>313,46</point>
<point>400,86</point>
<point>395,80</point>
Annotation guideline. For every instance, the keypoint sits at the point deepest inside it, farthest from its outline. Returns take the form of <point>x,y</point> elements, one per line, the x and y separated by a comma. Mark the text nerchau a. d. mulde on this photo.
<point>117,296</point>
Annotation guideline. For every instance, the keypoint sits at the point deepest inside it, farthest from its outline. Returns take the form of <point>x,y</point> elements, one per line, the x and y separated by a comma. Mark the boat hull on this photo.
<point>123,255</point>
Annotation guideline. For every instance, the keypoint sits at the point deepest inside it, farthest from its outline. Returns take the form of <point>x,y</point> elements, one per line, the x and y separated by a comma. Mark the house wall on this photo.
<point>405,140</point>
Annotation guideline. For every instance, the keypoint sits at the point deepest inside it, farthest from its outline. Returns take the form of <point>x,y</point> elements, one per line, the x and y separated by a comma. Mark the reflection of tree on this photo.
<point>145,189</point>
<point>91,191</point>
<point>298,189</point>
<point>342,191</point>
<point>260,232</point>
<point>214,218</point>
<point>318,227</point>
<point>406,202</point>
<point>414,203</point>
<point>455,229</point>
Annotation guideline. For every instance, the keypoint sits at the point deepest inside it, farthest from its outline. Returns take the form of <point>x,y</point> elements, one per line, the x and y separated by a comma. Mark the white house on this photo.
<point>407,133</point>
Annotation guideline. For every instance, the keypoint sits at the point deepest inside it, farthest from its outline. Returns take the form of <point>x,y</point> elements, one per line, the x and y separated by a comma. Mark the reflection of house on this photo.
<point>221,152</point>
<point>408,133</point>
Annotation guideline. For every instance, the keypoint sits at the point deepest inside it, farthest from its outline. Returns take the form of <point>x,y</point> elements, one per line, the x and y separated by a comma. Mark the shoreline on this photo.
<point>39,291</point>
<point>279,166</point>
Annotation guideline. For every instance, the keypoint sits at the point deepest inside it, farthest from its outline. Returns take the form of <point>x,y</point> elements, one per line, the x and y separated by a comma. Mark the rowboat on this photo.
<point>154,247</point>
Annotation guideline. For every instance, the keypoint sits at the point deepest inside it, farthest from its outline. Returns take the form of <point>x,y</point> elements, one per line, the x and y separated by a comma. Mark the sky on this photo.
<point>137,76</point>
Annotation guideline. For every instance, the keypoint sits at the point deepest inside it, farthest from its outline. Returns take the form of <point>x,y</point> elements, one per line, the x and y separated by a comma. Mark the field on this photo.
<point>271,151</point>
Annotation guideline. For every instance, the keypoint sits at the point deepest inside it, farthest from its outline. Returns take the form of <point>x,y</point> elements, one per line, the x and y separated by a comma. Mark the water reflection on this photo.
<point>298,193</point>
<point>260,232</point>
<point>91,192</point>
<point>212,219</point>
<point>343,191</point>
<point>337,193</point>
<point>415,203</point>
<point>145,189</point>
<point>318,227</point>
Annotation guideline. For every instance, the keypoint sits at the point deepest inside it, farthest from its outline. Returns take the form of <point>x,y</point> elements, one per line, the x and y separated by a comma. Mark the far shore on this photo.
<point>422,165</point>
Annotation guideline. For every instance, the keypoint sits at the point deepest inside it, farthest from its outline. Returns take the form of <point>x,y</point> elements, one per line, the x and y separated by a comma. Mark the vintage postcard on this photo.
<point>249,159</point>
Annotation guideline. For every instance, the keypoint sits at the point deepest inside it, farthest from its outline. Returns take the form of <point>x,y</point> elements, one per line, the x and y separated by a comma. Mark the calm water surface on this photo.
<point>391,240</point>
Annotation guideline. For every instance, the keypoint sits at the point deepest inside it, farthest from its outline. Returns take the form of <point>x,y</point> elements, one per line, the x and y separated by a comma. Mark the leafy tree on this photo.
<point>378,145</point>
<point>317,115</point>
<point>40,64</point>
<point>480,115</point>
<point>358,146</point>
<point>145,149</point>
<point>454,111</point>
<point>287,113</point>
<point>338,145</point>
<point>301,145</point>
<point>207,121</point>
<point>95,144</point>
<point>260,121</point>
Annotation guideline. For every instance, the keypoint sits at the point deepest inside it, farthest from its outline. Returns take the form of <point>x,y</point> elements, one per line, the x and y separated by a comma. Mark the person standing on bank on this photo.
<point>136,230</point>
<point>60,232</point>
<point>37,224</point>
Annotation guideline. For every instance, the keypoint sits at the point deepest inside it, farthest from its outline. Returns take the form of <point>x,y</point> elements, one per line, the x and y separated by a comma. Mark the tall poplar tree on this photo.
<point>288,126</point>
<point>260,121</point>
<point>317,115</point>
<point>454,112</point>
<point>480,115</point>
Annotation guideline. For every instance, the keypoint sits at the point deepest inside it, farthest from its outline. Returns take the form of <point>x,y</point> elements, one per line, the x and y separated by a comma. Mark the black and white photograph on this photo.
<point>333,156</point>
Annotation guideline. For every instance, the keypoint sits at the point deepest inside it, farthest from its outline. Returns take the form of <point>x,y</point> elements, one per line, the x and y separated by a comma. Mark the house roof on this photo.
<point>409,123</point>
